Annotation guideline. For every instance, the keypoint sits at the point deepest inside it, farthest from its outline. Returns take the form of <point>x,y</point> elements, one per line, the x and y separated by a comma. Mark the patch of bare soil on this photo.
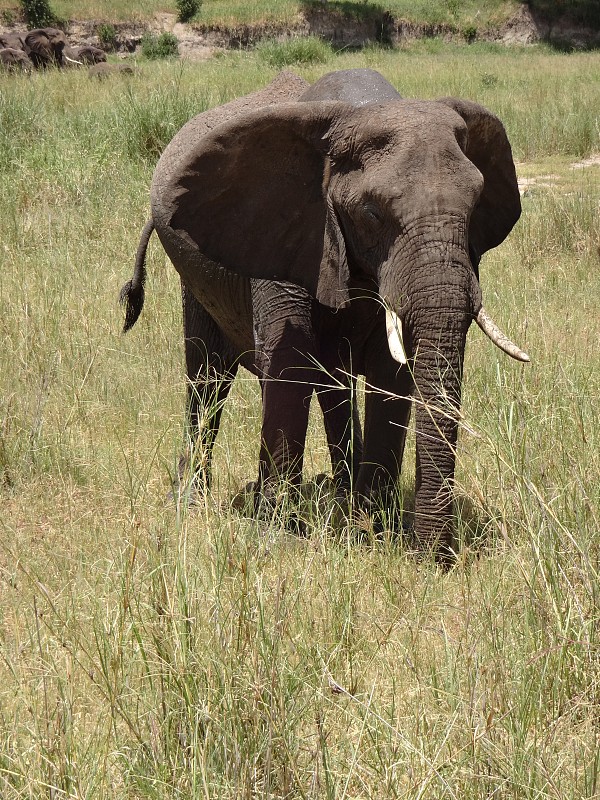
<point>554,181</point>
<point>128,34</point>
<point>539,181</point>
<point>520,29</point>
<point>592,161</point>
<point>192,46</point>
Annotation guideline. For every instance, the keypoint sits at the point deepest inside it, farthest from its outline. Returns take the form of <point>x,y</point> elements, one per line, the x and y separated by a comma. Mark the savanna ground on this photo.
<point>466,15</point>
<point>149,652</point>
<point>235,12</point>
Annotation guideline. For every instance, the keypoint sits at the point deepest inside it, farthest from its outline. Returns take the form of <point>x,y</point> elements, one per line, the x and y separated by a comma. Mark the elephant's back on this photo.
<point>285,87</point>
<point>358,87</point>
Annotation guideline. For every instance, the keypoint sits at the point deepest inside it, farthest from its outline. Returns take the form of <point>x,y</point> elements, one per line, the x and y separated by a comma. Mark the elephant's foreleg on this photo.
<point>343,430</point>
<point>286,356</point>
<point>286,404</point>
<point>211,365</point>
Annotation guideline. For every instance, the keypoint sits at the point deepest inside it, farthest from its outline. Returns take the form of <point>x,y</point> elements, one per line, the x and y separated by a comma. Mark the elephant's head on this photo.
<point>45,47</point>
<point>14,60</point>
<point>86,54</point>
<point>407,195</point>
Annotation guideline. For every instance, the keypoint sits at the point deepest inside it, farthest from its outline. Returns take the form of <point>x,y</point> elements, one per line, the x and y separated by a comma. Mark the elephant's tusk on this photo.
<point>393,327</point>
<point>72,60</point>
<point>501,340</point>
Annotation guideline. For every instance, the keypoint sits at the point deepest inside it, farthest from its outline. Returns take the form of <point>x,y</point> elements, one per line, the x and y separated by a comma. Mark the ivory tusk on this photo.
<point>72,60</point>
<point>393,327</point>
<point>489,327</point>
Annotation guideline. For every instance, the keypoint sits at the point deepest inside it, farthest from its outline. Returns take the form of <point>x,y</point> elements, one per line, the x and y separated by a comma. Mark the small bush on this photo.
<point>163,46</point>
<point>470,33</point>
<point>305,50</point>
<point>489,80</point>
<point>38,13</point>
<point>187,9</point>
<point>107,35</point>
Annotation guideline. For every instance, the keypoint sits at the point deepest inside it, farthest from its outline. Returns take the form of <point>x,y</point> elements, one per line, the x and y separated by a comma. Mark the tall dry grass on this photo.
<point>146,651</point>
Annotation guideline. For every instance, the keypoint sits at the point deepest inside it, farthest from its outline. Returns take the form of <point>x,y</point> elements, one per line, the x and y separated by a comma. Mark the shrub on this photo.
<point>107,35</point>
<point>163,46</point>
<point>187,9</point>
<point>38,13</point>
<point>489,80</point>
<point>470,33</point>
<point>304,50</point>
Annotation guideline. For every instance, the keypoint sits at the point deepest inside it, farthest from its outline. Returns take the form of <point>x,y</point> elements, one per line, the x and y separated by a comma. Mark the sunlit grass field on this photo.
<point>150,652</point>
<point>235,12</point>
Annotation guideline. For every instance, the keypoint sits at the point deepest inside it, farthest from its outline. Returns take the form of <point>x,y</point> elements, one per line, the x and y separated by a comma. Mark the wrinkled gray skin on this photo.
<point>45,47</point>
<point>358,203</point>
<point>14,60</point>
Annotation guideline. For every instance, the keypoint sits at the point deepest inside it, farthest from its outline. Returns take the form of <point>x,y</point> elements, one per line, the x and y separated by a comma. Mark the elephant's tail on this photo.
<point>132,294</point>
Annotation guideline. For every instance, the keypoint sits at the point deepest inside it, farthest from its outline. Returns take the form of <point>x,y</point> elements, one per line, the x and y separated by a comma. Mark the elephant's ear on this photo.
<point>249,196</point>
<point>334,273</point>
<point>499,206</point>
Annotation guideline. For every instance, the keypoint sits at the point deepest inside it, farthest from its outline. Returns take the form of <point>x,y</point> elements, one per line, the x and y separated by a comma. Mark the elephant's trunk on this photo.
<point>437,376</point>
<point>440,300</point>
<point>430,336</point>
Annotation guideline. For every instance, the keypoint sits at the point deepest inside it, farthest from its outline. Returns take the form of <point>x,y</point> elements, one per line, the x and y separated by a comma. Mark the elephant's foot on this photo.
<point>187,494</point>
<point>380,515</point>
<point>270,501</point>
<point>441,548</point>
<point>342,485</point>
<point>189,488</point>
<point>446,558</point>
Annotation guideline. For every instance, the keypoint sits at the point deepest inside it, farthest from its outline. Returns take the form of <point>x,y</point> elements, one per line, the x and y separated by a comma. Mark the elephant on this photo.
<point>86,54</point>
<point>13,60</point>
<point>103,70</point>
<point>295,334</point>
<point>378,209</point>
<point>45,47</point>
<point>13,40</point>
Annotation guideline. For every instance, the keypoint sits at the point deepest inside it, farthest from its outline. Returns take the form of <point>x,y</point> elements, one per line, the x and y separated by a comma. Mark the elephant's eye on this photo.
<point>372,213</point>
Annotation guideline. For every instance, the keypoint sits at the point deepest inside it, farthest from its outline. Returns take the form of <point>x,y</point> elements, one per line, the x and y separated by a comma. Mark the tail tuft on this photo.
<point>132,294</point>
<point>132,297</point>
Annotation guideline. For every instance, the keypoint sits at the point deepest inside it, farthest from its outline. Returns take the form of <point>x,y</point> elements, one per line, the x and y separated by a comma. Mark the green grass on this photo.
<point>301,50</point>
<point>150,653</point>
<point>463,15</point>
<point>466,16</point>
<point>236,12</point>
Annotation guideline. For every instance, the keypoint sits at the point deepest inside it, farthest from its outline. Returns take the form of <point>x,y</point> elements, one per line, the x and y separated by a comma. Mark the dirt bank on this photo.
<point>198,42</point>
